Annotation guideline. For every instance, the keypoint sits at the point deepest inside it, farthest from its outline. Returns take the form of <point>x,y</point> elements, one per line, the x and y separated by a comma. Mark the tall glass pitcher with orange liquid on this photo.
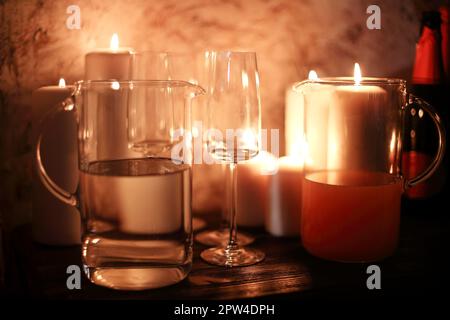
<point>353,177</point>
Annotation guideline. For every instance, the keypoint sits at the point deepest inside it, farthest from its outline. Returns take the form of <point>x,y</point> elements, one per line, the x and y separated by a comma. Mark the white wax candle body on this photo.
<point>285,188</point>
<point>107,64</point>
<point>251,196</point>
<point>294,115</point>
<point>139,205</point>
<point>54,222</point>
<point>356,127</point>
<point>252,178</point>
<point>317,105</point>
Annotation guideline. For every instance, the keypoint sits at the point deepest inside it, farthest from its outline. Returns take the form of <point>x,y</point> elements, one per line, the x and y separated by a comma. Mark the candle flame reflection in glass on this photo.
<point>392,151</point>
<point>115,85</point>
<point>244,79</point>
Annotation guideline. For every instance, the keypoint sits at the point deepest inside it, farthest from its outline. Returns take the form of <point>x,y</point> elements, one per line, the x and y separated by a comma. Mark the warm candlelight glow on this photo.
<point>392,151</point>
<point>265,163</point>
<point>114,44</point>
<point>249,140</point>
<point>357,74</point>
<point>115,85</point>
<point>392,144</point>
<point>420,113</point>
<point>313,75</point>
<point>62,83</point>
<point>244,79</point>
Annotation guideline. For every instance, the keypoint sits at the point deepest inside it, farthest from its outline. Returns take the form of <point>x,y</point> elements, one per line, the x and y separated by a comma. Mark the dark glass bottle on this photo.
<point>421,140</point>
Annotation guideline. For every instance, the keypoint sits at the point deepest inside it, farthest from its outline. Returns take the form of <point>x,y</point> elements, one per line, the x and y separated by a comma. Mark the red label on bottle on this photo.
<point>426,65</point>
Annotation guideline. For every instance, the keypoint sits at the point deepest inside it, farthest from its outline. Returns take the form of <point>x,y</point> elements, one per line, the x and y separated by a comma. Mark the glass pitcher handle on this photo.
<point>68,198</point>
<point>413,100</point>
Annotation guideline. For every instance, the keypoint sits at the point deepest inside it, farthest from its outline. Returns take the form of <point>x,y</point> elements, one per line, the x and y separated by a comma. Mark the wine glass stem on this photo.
<point>232,243</point>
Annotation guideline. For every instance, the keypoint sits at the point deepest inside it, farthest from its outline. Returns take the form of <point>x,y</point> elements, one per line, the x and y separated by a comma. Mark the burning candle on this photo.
<point>353,107</point>
<point>111,63</point>
<point>310,148</point>
<point>54,222</point>
<point>285,189</point>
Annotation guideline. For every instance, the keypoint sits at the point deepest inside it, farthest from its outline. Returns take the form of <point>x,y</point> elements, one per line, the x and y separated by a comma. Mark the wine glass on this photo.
<point>193,67</point>
<point>234,110</point>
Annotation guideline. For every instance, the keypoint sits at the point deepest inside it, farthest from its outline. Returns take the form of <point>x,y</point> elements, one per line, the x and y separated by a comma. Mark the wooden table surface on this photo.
<point>420,266</point>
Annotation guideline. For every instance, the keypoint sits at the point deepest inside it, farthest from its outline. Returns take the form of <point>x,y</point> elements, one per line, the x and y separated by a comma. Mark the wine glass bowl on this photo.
<point>234,109</point>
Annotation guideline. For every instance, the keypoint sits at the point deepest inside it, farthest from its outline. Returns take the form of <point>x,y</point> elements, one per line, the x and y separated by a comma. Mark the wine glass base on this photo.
<point>221,237</point>
<point>239,257</point>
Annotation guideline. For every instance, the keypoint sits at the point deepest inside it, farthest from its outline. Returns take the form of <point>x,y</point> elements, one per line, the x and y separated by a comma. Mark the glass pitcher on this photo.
<point>353,177</point>
<point>134,191</point>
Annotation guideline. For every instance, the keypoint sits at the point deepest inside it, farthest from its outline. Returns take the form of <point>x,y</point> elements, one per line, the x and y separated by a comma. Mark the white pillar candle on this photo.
<point>353,114</point>
<point>54,222</point>
<point>316,98</point>
<point>111,63</point>
<point>285,187</point>
<point>252,178</point>
<point>317,106</point>
<point>153,204</point>
<point>293,127</point>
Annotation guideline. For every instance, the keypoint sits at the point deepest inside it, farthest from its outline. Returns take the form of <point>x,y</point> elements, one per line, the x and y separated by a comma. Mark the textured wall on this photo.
<point>290,37</point>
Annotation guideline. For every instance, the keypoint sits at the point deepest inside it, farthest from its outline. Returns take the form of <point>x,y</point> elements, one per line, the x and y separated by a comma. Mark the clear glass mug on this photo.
<point>134,191</point>
<point>353,177</point>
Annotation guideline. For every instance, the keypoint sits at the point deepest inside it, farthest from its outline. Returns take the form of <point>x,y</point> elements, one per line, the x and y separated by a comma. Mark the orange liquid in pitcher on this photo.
<point>351,216</point>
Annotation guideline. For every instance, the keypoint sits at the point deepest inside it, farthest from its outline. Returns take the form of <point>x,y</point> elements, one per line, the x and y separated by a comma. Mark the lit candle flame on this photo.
<point>115,85</point>
<point>357,74</point>
<point>313,75</point>
<point>62,83</point>
<point>244,79</point>
<point>114,44</point>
